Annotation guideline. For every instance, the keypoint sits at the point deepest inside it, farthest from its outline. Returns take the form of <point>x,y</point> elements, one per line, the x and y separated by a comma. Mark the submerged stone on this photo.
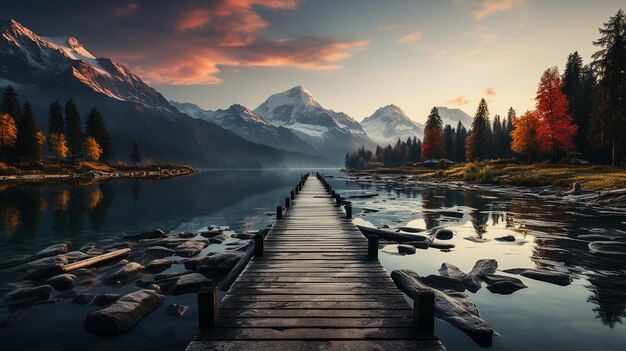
<point>154,234</point>
<point>552,277</point>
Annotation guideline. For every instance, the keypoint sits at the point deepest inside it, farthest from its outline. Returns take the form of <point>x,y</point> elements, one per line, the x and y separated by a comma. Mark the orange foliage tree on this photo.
<point>8,132</point>
<point>59,146</point>
<point>92,150</point>
<point>433,146</point>
<point>524,139</point>
<point>557,129</point>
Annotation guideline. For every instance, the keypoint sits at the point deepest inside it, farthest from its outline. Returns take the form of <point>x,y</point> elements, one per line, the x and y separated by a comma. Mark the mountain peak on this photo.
<point>389,123</point>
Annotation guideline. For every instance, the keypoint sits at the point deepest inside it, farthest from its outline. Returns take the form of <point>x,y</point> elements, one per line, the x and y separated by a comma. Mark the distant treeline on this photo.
<point>579,115</point>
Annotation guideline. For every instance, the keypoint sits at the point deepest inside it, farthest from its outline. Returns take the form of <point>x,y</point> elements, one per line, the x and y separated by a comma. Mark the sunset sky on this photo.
<point>353,55</point>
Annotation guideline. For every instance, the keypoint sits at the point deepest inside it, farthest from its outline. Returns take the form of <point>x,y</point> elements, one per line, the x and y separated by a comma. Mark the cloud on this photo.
<point>458,101</point>
<point>490,91</point>
<point>481,9</point>
<point>189,41</point>
<point>410,37</point>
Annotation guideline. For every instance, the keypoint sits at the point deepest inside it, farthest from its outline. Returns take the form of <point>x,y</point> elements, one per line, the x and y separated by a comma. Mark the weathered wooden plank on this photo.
<point>321,305</point>
<point>329,345</point>
<point>319,297</point>
<point>322,322</point>
<point>309,333</point>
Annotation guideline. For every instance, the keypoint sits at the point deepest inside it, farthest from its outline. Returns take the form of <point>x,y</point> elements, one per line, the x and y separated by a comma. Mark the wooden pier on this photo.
<point>314,283</point>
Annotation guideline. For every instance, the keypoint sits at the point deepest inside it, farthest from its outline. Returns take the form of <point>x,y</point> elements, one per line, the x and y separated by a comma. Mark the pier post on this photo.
<point>372,245</point>
<point>258,244</point>
<point>297,190</point>
<point>208,309</point>
<point>348,207</point>
<point>292,194</point>
<point>332,193</point>
<point>338,199</point>
<point>424,311</point>
<point>279,212</point>
<point>287,202</point>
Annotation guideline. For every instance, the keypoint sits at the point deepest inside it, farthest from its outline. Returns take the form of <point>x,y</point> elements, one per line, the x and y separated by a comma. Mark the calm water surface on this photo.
<point>586,315</point>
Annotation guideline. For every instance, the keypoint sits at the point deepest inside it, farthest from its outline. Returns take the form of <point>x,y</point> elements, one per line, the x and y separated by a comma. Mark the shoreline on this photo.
<point>149,172</point>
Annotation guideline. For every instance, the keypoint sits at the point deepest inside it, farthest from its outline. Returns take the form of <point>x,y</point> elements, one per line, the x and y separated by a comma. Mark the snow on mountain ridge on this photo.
<point>389,123</point>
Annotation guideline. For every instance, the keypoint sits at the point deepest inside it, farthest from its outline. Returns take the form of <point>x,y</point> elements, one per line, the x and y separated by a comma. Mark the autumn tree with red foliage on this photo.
<point>556,128</point>
<point>433,146</point>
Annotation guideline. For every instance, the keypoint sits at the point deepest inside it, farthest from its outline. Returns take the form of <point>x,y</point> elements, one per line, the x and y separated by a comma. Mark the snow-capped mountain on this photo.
<point>43,70</point>
<point>452,116</point>
<point>329,132</point>
<point>29,58</point>
<point>246,124</point>
<point>389,123</point>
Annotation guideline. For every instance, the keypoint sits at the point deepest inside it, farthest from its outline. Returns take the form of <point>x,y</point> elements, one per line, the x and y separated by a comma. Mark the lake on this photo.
<point>587,314</point>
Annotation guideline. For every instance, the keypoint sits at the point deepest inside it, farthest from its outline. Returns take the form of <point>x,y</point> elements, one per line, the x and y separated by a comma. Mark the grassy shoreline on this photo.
<point>559,176</point>
<point>49,172</point>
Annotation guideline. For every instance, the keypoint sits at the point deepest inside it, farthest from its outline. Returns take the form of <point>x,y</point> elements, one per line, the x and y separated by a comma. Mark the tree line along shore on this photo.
<point>579,119</point>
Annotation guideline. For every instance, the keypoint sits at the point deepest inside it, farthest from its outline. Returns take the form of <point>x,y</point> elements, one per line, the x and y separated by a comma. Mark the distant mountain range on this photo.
<point>290,128</point>
<point>43,70</point>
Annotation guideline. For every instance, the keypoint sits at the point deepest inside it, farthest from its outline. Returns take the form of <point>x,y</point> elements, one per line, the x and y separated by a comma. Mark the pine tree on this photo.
<point>497,139</point>
<point>461,136</point>
<point>135,155</point>
<point>73,130</point>
<point>585,112</point>
<point>417,153</point>
<point>478,142</point>
<point>28,142</point>
<point>96,129</point>
<point>508,128</point>
<point>56,124</point>
<point>347,161</point>
<point>11,104</point>
<point>556,130</point>
<point>433,146</point>
<point>449,140</point>
<point>609,117</point>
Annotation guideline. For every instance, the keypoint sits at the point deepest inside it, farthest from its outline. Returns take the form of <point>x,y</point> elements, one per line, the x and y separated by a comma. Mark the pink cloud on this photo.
<point>481,9</point>
<point>458,101</point>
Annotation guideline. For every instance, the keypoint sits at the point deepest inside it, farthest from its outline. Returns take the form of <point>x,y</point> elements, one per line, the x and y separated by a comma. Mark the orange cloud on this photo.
<point>481,9</point>
<point>490,91</point>
<point>410,37</point>
<point>459,100</point>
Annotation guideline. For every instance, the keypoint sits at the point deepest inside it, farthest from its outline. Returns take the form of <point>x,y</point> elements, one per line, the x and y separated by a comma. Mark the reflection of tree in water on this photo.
<point>432,199</point>
<point>21,208</point>
<point>135,187</point>
<point>98,213</point>
<point>10,217</point>
<point>609,296</point>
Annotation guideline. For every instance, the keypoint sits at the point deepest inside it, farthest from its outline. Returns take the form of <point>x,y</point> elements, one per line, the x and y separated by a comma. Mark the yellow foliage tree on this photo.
<point>59,146</point>
<point>524,137</point>
<point>92,150</point>
<point>8,132</point>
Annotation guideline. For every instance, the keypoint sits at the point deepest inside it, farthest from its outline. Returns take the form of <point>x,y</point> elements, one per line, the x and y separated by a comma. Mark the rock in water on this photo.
<point>191,248</point>
<point>83,299</point>
<point>506,238</point>
<point>176,309</point>
<point>159,251</point>
<point>62,282</point>
<point>451,306</point>
<point>106,299</point>
<point>155,234</point>
<point>158,265</point>
<point>505,287</point>
<point>472,280</point>
<point>443,283</point>
<point>124,314</point>
<point>27,296</point>
<point>46,267</point>
<point>186,235</point>
<point>188,283</point>
<point>557,278</point>
<point>55,250</point>
<point>124,273</point>
<point>406,249</point>
<point>444,234</point>
<point>608,247</point>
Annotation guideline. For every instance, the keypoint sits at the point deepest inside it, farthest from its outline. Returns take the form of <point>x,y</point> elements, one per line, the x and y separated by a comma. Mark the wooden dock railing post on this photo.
<point>208,310</point>
<point>424,311</point>
<point>338,199</point>
<point>287,202</point>
<point>258,244</point>
<point>296,190</point>
<point>348,207</point>
<point>292,194</point>
<point>279,212</point>
<point>372,245</point>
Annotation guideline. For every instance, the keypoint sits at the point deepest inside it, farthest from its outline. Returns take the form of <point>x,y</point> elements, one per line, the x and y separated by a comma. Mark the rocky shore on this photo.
<point>147,267</point>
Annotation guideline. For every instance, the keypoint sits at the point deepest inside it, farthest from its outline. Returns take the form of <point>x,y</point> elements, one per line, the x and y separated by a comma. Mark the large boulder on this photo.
<point>105,299</point>
<point>62,282</point>
<point>124,314</point>
<point>472,280</point>
<point>191,248</point>
<point>406,249</point>
<point>158,265</point>
<point>506,238</point>
<point>54,250</point>
<point>215,262</point>
<point>123,272</point>
<point>45,267</point>
<point>444,234</point>
<point>443,283</point>
<point>188,283</point>
<point>154,234</point>
<point>451,306</point>
<point>552,277</point>
<point>27,296</point>
<point>159,251</point>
